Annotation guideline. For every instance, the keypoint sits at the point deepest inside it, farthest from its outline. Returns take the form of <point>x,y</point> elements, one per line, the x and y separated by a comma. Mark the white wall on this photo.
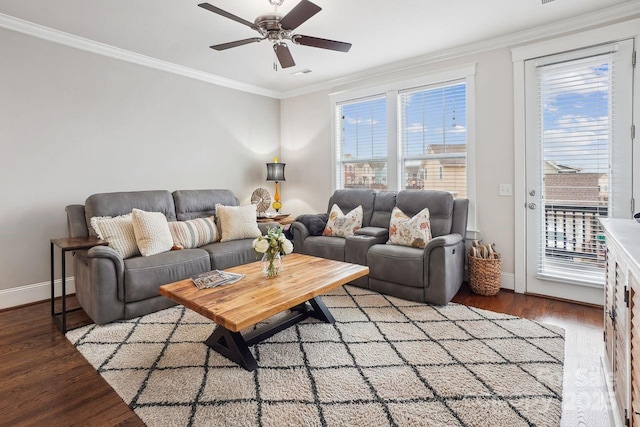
<point>73,123</point>
<point>306,137</point>
<point>306,147</point>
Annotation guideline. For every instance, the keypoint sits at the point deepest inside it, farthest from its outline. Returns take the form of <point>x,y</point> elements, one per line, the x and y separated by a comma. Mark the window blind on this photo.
<point>361,129</point>
<point>433,138</point>
<point>575,125</point>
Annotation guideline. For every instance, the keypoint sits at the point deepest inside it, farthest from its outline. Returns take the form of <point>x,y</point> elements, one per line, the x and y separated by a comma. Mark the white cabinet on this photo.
<point>622,316</point>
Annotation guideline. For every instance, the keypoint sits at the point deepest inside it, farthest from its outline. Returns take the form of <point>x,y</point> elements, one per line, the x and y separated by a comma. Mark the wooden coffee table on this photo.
<point>256,298</point>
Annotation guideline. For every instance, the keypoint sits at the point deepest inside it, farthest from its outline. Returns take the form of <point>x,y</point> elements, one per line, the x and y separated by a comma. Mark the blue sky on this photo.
<point>575,115</point>
<point>433,116</point>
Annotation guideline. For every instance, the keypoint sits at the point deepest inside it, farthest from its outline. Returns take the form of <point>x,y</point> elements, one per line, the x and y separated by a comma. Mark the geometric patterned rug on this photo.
<point>385,361</point>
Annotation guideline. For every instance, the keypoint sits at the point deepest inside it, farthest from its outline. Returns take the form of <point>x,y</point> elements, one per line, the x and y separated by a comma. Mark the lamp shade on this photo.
<point>275,172</point>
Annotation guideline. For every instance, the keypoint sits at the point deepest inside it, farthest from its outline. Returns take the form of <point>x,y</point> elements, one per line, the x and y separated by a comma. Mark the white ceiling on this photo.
<point>382,32</point>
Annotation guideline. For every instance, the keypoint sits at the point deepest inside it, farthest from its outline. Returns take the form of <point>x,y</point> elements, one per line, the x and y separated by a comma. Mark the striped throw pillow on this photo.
<point>194,232</point>
<point>118,231</point>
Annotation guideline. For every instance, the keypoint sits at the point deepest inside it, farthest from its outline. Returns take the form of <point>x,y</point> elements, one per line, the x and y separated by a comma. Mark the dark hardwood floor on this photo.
<point>45,381</point>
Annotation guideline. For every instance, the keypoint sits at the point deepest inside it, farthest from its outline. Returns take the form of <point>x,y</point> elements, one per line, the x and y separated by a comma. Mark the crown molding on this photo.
<point>620,12</point>
<point>612,14</point>
<point>60,37</point>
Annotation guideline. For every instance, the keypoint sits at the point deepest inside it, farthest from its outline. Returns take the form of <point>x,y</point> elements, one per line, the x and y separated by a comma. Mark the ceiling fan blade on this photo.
<point>284,55</point>
<point>321,43</point>
<point>224,46</point>
<point>226,14</point>
<point>299,14</point>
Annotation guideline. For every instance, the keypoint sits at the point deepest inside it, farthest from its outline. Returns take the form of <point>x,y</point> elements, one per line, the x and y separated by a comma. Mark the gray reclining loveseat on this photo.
<point>111,288</point>
<point>433,274</point>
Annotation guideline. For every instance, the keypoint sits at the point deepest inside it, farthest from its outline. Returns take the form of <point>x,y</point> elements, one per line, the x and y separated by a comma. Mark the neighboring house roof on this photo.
<point>558,168</point>
<point>449,149</point>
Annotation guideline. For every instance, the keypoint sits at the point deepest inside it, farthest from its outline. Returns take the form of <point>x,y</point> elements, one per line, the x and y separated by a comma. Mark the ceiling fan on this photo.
<point>277,29</point>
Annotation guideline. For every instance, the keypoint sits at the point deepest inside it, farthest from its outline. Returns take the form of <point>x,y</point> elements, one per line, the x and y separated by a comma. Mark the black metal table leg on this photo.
<point>320,311</point>
<point>232,346</point>
<point>53,294</point>
<point>64,292</point>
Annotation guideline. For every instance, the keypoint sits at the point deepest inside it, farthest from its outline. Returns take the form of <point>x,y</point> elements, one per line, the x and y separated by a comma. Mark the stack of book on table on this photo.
<point>214,278</point>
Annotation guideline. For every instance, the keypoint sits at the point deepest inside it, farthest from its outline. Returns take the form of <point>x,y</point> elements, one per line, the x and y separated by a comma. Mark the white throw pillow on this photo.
<point>194,233</point>
<point>118,231</point>
<point>341,225</point>
<point>237,222</point>
<point>152,232</point>
<point>405,231</point>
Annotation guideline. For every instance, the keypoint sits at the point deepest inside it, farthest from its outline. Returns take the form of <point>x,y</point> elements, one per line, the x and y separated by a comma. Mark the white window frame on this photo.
<point>391,90</point>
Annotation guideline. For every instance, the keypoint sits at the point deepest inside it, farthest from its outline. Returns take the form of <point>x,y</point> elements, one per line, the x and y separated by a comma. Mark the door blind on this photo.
<point>361,135</point>
<point>575,128</point>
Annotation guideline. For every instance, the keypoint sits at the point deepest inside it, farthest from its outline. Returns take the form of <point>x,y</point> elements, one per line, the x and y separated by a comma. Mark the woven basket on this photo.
<point>484,275</point>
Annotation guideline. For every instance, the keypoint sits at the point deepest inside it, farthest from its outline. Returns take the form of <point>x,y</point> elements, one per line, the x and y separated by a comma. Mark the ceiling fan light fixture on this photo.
<point>278,29</point>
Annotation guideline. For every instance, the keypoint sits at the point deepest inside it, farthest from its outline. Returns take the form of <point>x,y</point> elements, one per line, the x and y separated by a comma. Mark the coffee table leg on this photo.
<point>232,346</point>
<point>320,311</point>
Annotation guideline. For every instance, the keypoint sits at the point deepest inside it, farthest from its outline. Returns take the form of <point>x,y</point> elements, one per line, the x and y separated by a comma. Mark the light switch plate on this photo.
<point>505,190</point>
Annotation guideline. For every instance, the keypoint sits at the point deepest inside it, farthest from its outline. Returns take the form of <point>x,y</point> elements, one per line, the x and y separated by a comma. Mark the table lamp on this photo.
<point>275,172</point>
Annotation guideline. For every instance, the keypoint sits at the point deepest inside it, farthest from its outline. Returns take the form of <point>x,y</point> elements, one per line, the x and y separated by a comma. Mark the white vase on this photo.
<point>271,264</point>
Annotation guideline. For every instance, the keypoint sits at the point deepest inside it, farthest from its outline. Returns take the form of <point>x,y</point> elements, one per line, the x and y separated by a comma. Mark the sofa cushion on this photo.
<point>152,232</point>
<point>343,225</point>
<point>349,199</point>
<point>440,204</point>
<point>194,233</point>
<point>121,203</point>
<point>325,247</point>
<point>405,231</point>
<point>237,222</point>
<point>382,206</point>
<point>192,204</point>
<point>396,264</point>
<point>118,232</point>
<point>144,275</point>
<point>229,254</point>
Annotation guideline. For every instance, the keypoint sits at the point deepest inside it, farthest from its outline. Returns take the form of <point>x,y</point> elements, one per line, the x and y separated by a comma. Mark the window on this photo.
<point>362,144</point>
<point>433,138</point>
<point>410,134</point>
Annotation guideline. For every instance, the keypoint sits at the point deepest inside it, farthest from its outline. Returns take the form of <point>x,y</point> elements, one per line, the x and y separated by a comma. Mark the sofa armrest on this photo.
<point>440,241</point>
<point>76,221</point>
<point>300,233</point>
<point>108,253</point>
<point>443,268</point>
<point>357,247</point>
<point>265,226</point>
<point>373,232</point>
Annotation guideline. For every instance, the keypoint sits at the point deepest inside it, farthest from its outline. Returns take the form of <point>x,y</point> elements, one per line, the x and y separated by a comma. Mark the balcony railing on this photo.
<point>574,232</point>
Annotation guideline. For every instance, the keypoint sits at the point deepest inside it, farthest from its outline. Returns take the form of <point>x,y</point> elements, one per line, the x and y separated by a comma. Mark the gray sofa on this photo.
<point>111,288</point>
<point>433,274</point>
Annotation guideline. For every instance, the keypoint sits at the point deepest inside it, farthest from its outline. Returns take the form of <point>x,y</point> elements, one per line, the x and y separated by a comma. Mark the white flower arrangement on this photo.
<point>274,242</point>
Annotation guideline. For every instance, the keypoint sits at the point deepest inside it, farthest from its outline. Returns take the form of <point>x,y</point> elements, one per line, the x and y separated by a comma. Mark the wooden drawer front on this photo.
<point>609,304</point>
<point>634,311</point>
<point>620,370</point>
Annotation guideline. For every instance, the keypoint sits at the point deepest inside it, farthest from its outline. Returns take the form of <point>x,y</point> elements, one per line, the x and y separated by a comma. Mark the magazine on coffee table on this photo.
<point>211,279</point>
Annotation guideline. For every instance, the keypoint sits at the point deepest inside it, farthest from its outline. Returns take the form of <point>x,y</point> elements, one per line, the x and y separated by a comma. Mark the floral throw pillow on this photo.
<point>341,225</point>
<point>405,231</point>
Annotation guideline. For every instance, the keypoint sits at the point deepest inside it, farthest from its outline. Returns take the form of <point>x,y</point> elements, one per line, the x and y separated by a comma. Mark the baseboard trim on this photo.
<point>28,294</point>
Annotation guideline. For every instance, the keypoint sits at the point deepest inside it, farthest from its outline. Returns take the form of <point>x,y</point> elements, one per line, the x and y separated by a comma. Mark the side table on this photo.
<point>282,219</point>
<point>66,245</point>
